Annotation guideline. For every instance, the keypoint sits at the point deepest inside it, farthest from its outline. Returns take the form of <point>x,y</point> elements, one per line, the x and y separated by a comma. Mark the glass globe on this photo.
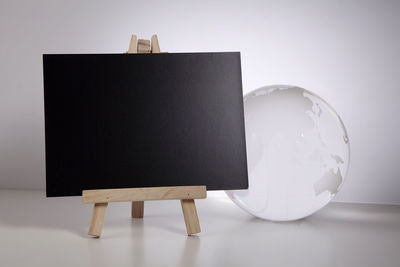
<point>297,152</point>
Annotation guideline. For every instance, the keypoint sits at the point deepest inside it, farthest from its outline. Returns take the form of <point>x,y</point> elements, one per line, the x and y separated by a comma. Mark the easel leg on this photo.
<point>190,215</point>
<point>96,225</point>
<point>137,209</point>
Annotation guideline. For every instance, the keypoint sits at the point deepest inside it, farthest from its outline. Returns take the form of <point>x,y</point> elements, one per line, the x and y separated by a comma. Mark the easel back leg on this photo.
<point>137,209</point>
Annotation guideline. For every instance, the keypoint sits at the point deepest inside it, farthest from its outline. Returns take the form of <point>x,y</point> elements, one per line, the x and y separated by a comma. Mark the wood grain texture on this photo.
<point>144,193</point>
<point>190,215</point>
<point>143,46</point>
<point>99,213</point>
<point>155,46</point>
<point>133,45</point>
<point>137,209</point>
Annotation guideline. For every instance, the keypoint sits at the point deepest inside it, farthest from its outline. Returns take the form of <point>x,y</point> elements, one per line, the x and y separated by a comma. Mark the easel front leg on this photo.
<point>190,215</point>
<point>137,209</point>
<point>99,213</point>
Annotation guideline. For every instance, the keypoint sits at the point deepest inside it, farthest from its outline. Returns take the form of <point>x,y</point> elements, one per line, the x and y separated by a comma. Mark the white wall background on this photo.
<point>348,52</point>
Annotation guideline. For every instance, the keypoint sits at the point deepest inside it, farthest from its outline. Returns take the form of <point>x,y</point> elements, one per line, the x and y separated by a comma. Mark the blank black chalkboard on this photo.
<point>143,120</point>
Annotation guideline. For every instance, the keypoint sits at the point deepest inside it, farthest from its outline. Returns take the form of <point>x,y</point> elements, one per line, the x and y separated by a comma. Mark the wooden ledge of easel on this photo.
<point>143,194</point>
<point>186,194</point>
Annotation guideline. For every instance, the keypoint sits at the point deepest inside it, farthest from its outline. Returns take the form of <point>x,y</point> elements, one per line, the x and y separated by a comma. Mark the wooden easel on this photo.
<point>186,194</point>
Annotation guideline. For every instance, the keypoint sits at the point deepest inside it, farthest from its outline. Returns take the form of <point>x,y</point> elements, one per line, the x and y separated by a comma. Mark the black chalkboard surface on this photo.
<point>143,120</point>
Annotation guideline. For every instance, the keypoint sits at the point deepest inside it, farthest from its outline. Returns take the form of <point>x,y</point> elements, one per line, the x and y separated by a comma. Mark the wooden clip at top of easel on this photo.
<point>142,46</point>
<point>186,194</point>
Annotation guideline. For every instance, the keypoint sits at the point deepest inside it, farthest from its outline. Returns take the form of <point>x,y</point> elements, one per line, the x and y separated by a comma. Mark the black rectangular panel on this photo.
<point>143,120</point>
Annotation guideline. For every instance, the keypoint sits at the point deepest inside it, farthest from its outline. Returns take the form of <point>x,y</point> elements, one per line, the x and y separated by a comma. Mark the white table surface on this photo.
<point>35,231</point>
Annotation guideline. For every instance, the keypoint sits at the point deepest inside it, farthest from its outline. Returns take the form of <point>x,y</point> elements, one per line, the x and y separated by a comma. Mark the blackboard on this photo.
<point>143,120</point>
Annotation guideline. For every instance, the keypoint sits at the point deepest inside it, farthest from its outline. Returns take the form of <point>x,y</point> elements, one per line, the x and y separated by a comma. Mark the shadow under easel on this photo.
<point>190,251</point>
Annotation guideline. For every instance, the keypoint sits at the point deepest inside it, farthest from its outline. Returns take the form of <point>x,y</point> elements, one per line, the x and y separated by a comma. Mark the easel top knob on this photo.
<point>143,46</point>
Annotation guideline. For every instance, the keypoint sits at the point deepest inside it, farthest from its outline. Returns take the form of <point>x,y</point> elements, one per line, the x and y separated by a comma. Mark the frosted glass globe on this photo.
<point>297,151</point>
